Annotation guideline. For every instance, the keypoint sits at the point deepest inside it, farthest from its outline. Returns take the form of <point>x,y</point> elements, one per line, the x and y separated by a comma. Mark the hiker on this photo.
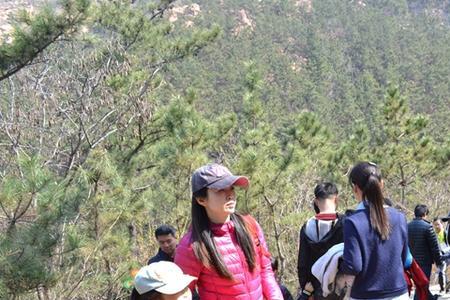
<point>225,250</point>
<point>317,235</point>
<point>284,290</point>
<point>375,240</point>
<point>447,230</point>
<point>445,249</point>
<point>423,241</point>
<point>161,280</point>
<point>166,237</point>
<point>413,273</point>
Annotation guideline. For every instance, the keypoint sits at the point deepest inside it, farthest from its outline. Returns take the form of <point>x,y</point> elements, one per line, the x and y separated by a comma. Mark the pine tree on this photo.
<point>406,151</point>
<point>35,32</point>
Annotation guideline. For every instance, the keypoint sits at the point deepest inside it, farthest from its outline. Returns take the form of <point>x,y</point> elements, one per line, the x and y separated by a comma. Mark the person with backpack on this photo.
<point>317,236</point>
<point>224,249</point>
<point>375,240</point>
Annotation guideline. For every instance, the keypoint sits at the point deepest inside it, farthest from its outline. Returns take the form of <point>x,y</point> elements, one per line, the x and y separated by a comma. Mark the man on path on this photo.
<point>423,241</point>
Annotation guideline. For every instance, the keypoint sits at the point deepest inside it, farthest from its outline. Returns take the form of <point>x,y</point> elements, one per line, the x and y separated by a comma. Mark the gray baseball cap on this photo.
<point>215,176</point>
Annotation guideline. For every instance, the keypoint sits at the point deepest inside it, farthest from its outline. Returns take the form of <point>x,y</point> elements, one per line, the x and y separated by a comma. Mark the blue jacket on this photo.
<point>376,264</point>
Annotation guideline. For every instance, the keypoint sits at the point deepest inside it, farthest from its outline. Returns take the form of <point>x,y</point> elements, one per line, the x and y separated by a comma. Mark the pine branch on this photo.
<point>36,34</point>
<point>27,60</point>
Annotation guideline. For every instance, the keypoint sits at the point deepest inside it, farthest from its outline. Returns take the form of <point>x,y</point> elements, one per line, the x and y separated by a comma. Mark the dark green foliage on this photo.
<point>335,58</point>
<point>101,130</point>
<point>34,33</point>
<point>32,231</point>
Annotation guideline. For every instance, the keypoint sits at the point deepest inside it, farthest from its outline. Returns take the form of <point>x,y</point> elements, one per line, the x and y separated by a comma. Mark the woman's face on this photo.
<point>219,204</point>
<point>183,295</point>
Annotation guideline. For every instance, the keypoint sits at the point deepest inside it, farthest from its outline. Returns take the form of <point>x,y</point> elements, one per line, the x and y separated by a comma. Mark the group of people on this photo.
<point>362,254</point>
<point>370,244</point>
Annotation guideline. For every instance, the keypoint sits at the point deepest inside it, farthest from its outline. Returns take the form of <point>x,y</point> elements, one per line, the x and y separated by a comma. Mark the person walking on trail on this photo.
<point>166,237</point>
<point>225,250</point>
<point>161,280</point>
<point>447,232</point>
<point>445,249</point>
<point>317,235</point>
<point>375,240</point>
<point>423,241</point>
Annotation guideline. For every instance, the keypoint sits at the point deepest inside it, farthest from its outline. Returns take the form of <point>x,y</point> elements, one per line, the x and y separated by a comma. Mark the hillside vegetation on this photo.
<point>335,58</point>
<point>106,108</point>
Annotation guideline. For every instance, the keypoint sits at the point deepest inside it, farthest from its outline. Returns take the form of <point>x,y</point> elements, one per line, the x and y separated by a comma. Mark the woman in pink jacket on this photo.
<point>226,251</point>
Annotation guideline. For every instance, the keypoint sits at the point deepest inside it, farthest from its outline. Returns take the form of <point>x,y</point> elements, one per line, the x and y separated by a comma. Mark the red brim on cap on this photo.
<point>242,181</point>
<point>228,181</point>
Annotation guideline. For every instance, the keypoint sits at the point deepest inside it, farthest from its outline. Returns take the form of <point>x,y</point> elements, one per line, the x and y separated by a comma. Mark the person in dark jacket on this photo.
<point>423,241</point>
<point>319,234</point>
<point>165,235</point>
<point>167,240</point>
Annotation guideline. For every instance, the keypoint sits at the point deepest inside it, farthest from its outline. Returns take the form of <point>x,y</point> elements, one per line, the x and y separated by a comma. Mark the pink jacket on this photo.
<point>246,285</point>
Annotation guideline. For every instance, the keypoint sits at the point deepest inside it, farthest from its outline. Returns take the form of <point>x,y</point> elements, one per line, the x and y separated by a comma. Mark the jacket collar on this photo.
<point>365,204</point>
<point>163,255</point>
<point>360,206</point>
<point>420,219</point>
<point>222,229</point>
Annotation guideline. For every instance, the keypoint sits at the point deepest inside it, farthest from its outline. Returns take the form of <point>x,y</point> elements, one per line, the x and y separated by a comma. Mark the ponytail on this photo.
<point>367,177</point>
<point>374,195</point>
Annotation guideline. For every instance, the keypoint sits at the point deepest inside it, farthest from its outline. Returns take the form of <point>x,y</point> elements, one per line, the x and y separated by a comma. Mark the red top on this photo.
<point>257,285</point>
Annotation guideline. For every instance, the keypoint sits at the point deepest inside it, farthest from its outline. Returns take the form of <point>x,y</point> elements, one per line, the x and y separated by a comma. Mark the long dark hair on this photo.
<point>203,243</point>
<point>367,177</point>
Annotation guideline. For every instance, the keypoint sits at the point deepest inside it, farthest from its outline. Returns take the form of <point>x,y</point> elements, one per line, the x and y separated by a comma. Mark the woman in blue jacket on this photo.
<point>375,240</point>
